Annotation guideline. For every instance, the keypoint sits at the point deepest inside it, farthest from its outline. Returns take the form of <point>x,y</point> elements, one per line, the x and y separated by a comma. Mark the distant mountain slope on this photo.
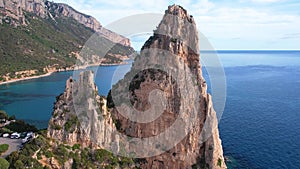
<point>46,9</point>
<point>40,36</point>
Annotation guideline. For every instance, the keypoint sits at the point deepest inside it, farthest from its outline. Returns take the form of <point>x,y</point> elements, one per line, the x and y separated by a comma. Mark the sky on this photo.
<point>228,24</point>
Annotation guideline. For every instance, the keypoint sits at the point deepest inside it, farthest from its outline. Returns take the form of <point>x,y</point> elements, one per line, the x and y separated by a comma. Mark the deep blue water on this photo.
<point>260,126</point>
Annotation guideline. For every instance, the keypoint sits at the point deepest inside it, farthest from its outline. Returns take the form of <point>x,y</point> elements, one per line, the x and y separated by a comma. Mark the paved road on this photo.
<point>14,145</point>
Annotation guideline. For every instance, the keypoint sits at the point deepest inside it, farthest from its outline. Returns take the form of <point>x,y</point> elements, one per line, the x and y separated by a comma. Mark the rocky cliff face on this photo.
<point>15,9</point>
<point>173,48</point>
<point>72,110</point>
<point>164,88</point>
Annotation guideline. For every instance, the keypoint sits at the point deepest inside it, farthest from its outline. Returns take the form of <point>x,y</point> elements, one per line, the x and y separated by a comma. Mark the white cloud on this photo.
<point>227,26</point>
<point>261,1</point>
<point>248,26</point>
<point>265,1</point>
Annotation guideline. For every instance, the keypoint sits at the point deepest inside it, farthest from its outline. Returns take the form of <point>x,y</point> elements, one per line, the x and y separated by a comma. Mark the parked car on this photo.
<point>15,136</point>
<point>23,135</point>
<point>26,139</point>
<point>29,134</point>
<point>5,135</point>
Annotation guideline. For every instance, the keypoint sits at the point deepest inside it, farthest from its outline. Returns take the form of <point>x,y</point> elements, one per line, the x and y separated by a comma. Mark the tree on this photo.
<point>13,117</point>
<point>3,148</point>
<point>20,126</point>
<point>3,115</point>
<point>19,164</point>
<point>4,164</point>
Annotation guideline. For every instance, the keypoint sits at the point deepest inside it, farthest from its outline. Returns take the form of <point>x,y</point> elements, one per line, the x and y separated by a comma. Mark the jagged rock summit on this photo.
<point>166,62</point>
<point>168,67</point>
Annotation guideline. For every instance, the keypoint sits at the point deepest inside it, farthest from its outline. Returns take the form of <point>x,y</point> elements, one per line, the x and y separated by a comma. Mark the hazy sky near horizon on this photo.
<point>228,24</point>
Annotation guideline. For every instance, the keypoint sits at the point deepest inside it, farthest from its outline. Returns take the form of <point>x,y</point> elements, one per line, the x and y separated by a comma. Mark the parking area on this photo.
<point>14,145</point>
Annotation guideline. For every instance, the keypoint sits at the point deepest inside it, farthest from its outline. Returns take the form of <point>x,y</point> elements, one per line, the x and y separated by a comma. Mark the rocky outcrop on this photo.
<point>73,121</point>
<point>163,89</point>
<point>15,9</point>
<point>164,65</point>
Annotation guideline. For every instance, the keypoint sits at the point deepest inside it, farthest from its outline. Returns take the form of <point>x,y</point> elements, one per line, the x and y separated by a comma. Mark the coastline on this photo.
<point>25,78</point>
<point>50,73</point>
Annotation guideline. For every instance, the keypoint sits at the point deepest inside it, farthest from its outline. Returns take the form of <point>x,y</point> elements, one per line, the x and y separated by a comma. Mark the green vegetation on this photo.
<point>46,42</point>
<point>174,40</point>
<point>20,161</point>
<point>219,162</point>
<point>20,126</point>
<point>82,157</point>
<point>23,158</point>
<point>5,130</point>
<point>3,148</point>
<point>44,147</point>
<point>3,115</point>
<point>61,153</point>
<point>17,126</point>
<point>76,147</point>
<point>99,159</point>
<point>13,117</point>
<point>71,124</point>
<point>117,124</point>
<point>55,126</point>
<point>39,44</point>
<point>4,164</point>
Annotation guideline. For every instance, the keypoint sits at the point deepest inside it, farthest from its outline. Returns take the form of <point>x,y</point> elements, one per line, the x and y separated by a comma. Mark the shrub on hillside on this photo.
<point>3,148</point>
<point>4,164</point>
<point>20,126</point>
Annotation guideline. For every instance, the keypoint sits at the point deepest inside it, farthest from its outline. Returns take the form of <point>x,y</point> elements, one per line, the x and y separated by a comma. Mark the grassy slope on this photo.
<point>82,157</point>
<point>30,47</point>
<point>43,42</point>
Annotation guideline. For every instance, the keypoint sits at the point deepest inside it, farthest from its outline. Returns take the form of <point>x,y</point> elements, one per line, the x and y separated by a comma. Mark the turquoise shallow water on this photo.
<point>260,126</point>
<point>33,100</point>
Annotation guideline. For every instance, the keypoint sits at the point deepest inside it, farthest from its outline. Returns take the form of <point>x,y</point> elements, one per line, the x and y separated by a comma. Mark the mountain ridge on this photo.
<point>38,37</point>
<point>47,9</point>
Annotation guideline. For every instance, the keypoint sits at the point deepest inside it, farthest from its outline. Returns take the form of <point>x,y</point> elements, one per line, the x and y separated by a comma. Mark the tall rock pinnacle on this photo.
<point>160,113</point>
<point>169,66</point>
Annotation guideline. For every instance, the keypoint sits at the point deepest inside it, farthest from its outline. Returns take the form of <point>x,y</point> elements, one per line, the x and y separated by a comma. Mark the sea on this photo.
<point>260,124</point>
